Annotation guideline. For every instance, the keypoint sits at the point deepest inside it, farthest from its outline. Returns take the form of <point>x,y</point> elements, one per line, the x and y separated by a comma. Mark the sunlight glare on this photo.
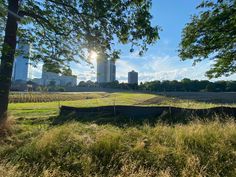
<point>93,55</point>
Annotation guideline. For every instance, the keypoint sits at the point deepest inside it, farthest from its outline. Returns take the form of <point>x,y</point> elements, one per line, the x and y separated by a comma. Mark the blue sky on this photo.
<point>161,62</point>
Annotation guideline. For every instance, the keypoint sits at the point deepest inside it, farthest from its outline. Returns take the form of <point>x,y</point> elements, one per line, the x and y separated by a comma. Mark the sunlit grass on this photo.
<point>43,109</point>
<point>36,148</point>
<point>75,149</point>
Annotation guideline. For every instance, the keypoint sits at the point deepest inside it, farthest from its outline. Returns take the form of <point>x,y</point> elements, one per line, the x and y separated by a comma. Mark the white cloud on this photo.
<point>167,68</point>
<point>122,69</point>
<point>84,71</point>
<point>36,72</point>
<point>150,68</point>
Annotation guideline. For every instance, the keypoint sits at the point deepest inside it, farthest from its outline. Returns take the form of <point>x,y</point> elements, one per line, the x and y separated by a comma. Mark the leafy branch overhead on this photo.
<point>64,30</point>
<point>212,34</point>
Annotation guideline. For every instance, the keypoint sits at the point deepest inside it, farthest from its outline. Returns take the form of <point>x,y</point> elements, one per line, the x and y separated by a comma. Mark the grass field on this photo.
<point>33,147</point>
<point>44,109</point>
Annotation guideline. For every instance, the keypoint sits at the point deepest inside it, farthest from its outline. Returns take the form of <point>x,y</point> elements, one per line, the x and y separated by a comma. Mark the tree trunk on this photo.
<point>7,59</point>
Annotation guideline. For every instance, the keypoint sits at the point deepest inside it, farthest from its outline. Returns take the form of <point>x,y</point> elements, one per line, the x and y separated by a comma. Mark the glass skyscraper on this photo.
<point>21,69</point>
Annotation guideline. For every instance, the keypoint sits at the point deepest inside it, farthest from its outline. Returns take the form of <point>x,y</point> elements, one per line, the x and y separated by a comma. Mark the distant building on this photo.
<point>102,70</point>
<point>106,70</point>
<point>21,68</point>
<point>49,78</point>
<point>133,77</point>
<point>68,80</point>
<point>37,81</point>
<point>111,71</point>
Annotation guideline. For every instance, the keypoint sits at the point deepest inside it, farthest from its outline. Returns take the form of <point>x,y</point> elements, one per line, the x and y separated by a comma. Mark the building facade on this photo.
<point>111,71</point>
<point>106,70</point>
<point>133,77</point>
<point>102,70</point>
<point>22,68</point>
<point>50,78</point>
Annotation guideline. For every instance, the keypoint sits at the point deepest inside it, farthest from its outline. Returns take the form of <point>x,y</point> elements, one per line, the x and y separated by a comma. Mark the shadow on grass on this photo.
<point>36,120</point>
<point>137,115</point>
<point>206,97</point>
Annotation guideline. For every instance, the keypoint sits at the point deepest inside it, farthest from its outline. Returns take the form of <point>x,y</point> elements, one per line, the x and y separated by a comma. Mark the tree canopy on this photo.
<point>66,30</point>
<point>212,35</point>
<point>62,31</point>
<point>67,72</point>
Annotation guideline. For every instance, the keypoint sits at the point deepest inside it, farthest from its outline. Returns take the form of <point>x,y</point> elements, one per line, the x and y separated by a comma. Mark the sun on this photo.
<point>93,55</point>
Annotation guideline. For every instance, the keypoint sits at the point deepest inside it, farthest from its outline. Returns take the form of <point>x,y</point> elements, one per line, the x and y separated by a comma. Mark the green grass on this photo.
<point>77,149</point>
<point>45,109</point>
<point>36,148</point>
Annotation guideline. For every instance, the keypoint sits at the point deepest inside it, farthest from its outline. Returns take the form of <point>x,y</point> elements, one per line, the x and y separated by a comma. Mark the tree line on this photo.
<point>185,85</point>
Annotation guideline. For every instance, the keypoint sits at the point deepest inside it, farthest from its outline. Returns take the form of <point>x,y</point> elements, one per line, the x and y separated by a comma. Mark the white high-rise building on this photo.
<point>133,77</point>
<point>106,70</point>
<point>21,69</point>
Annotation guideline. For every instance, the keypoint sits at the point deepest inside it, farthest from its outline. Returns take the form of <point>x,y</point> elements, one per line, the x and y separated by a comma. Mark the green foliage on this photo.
<point>212,34</point>
<point>51,66</point>
<point>188,85</point>
<point>65,31</point>
<point>167,85</point>
<point>47,104</point>
<point>67,72</point>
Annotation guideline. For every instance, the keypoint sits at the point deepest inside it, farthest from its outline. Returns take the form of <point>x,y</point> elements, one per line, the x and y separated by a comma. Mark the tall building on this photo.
<point>106,70</point>
<point>21,68</point>
<point>111,71</point>
<point>102,70</point>
<point>133,77</point>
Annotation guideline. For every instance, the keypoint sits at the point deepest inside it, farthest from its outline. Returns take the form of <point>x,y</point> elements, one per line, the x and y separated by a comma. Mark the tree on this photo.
<point>67,72</point>
<point>51,66</point>
<point>212,34</point>
<point>62,31</point>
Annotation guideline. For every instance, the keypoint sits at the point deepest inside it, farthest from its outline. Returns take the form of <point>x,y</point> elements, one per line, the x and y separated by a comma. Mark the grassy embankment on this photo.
<point>37,149</point>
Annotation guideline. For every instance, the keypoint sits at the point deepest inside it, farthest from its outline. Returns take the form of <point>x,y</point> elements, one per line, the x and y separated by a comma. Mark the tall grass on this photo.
<point>75,149</point>
<point>6,125</point>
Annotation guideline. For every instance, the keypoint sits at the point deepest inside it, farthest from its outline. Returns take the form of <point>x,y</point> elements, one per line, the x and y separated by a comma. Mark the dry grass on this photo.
<point>50,97</point>
<point>75,149</point>
<point>6,125</point>
<point>7,170</point>
<point>39,150</point>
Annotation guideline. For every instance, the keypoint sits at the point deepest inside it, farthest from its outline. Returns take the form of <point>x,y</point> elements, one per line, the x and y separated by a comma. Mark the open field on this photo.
<point>34,147</point>
<point>209,97</point>
<point>92,99</point>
